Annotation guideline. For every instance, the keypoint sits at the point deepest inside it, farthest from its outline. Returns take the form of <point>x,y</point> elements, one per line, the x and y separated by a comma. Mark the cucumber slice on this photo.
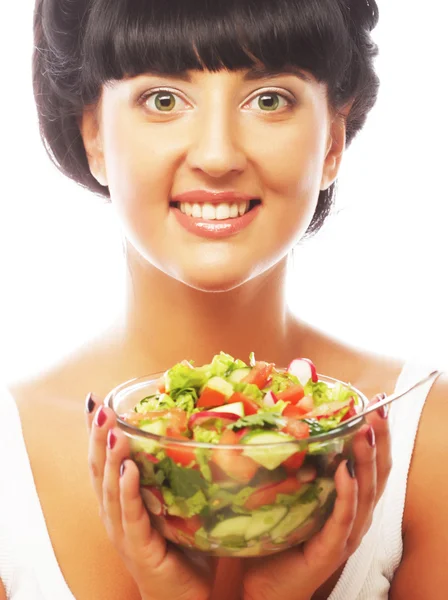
<point>233,527</point>
<point>270,458</point>
<point>220,385</point>
<point>296,517</point>
<point>262,521</point>
<point>158,428</point>
<point>236,408</point>
<point>238,375</point>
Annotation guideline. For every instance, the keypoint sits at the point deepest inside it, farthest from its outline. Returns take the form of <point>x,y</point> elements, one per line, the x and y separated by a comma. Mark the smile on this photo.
<point>216,218</point>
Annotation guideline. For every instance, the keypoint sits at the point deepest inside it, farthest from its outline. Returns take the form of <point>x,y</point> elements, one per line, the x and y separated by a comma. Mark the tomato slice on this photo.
<point>268,494</point>
<point>294,462</point>
<point>183,529</point>
<point>232,462</point>
<point>179,453</point>
<point>176,417</point>
<point>259,374</point>
<point>296,428</point>
<point>250,406</point>
<point>294,412</point>
<point>293,394</point>
<point>211,398</point>
<point>351,411</point>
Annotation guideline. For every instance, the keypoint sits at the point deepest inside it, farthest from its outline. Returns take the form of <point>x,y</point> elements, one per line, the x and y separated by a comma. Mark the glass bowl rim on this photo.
<point>337,432</point>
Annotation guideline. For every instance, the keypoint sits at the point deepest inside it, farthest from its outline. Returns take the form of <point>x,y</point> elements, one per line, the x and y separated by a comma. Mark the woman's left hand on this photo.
<point>298,573</point>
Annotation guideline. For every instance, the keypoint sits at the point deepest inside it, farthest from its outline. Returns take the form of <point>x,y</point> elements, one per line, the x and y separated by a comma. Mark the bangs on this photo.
<point>126,38</point>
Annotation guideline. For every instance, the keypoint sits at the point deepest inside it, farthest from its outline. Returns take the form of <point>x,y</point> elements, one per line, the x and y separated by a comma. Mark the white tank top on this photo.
<point>29,569</point>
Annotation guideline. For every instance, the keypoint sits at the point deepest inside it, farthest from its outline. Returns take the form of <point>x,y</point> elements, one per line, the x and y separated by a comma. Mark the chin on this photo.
<point>214,281</point>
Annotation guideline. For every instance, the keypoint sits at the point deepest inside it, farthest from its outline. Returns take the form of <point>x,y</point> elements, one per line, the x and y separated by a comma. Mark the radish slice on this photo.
<point>206,415</point>
<point>270,399</point>
<point>154,500</point>
<point>307,474</point>
<point>304,370</point>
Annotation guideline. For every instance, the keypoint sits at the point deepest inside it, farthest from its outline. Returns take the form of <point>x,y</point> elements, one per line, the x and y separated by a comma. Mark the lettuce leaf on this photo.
<point>267,420</point>
<point>184,507</point>
<point>205,436</point>
<point>250,390</point>
<point>181,379</point>
<point>203,458</point>
<point>183,482</point>
<point>281,381</point>
<point>320,392</point>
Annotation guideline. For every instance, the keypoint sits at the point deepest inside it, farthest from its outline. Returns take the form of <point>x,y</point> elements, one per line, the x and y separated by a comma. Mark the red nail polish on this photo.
<point>370,435</point>
<point>100,417</point>
<point>383,412</point>
<point>111,439</point>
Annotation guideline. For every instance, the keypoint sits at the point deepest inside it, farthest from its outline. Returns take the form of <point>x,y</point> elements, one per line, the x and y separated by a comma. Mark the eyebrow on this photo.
<point>264,73</point>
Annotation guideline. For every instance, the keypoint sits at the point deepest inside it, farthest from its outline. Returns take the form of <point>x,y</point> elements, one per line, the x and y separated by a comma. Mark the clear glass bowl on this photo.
<point>278,508</point>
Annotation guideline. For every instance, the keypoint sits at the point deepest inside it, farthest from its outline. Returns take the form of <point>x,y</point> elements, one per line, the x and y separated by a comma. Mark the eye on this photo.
<point>270,102</point>
<point>162,101</point>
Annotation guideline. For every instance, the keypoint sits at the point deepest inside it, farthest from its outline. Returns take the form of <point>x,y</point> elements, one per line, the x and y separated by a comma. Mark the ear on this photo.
<point>89,126</point>
<point>336,147</point>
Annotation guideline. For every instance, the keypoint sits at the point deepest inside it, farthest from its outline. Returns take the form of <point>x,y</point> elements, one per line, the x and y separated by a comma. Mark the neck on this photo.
<point>166,321</point>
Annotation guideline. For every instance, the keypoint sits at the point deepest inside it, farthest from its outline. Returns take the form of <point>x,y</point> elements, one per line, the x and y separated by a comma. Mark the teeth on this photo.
<point>234,212</point>
<point>223,212</point>
<point>208,212</point>
<point>211,212</point>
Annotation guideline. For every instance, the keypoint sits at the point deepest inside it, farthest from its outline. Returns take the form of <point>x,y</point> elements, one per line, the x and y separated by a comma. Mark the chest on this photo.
<point>90,565</point>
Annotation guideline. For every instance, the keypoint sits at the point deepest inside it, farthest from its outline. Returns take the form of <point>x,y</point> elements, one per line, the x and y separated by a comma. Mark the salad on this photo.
<point>236,470</point>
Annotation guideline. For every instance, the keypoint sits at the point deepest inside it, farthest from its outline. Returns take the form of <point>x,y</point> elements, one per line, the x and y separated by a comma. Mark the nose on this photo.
<point>216,150</point>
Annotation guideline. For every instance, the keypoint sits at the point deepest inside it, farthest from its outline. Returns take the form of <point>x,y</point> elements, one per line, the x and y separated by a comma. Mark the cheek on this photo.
<point>290,155</point>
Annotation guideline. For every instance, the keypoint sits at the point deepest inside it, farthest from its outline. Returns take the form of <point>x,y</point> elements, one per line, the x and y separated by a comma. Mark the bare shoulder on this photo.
<point>370,372</point>
<point>96,366</point>
<point>423,573</point>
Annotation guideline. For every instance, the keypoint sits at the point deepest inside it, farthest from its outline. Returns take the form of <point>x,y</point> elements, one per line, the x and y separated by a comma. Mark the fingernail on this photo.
<point>378,398</point>
<point>383,412</point>
<point>100,417</point>
<point>351,468</point>
<point>90,403</point>
<point>111,439</point>
<point>370,435</point>
<point>122,468</point>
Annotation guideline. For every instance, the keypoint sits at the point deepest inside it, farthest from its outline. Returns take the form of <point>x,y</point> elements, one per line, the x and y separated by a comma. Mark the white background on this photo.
<point>375,276</point>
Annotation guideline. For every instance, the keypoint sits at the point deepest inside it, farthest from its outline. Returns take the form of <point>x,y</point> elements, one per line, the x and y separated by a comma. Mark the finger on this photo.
<point>327,549</point>
<point>103,421</point>
<point>364,450</point>
<point>380,424</point>
<point>117,451</point>
<point>145,542</point>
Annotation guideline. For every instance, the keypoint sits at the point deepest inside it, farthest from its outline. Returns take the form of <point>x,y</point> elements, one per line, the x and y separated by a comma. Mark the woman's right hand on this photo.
<point>159,570</point>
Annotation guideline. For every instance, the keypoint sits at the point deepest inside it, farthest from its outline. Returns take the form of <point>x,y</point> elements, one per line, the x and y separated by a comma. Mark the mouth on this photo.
<point>224,211</point>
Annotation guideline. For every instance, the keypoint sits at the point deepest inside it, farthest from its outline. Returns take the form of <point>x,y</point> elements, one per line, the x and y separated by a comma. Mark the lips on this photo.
<point>214,214</point>
<point>216,228</point>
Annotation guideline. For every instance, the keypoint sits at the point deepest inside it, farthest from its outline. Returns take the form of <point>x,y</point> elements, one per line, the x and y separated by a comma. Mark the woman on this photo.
<point>217,130</point>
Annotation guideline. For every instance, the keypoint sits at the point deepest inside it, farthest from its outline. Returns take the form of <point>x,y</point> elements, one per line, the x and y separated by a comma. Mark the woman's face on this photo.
<point>186,158</point>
